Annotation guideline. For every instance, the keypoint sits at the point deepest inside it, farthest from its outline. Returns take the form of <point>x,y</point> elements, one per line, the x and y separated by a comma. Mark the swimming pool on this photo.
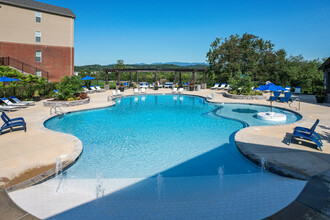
<point>161,157</point>
<point>173,135</point>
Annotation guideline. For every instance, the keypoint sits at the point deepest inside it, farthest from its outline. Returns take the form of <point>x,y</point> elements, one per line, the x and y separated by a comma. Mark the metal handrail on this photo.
<point>57,110</point>
<point>292,100</point>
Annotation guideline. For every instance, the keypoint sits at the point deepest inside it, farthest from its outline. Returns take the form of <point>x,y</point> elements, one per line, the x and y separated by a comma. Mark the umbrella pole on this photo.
<point>271,106</point>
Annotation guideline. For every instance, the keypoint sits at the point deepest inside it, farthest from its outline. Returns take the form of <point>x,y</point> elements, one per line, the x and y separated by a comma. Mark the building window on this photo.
<point>38,36</point>
<point>38,73</point>
<point>38,56</point>
<point>38,16</point>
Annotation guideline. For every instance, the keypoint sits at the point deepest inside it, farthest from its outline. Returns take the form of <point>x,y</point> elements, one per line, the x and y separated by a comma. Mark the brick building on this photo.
<point>38,35</point>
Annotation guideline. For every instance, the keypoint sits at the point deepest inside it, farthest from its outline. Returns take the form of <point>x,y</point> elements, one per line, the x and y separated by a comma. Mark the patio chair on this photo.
<point>223,86</point>
<point>98,88</point>
<point>160,85</point>
<point>297,90</point>
<point>11,123</point>
<point>288,88</point>
<point>215,86</point>
<point>86,89</point>
<point>174,90</point>
<point>309,130</point>
<point>7,108</point>
<point>286,98</point>
<point>227,87</point>
<point>180,90</point>
<point>114,93</point>
<point>152,85</point>
<point>15,99</point>
<point>168,85</point>
<point>275,97</point>
<point>9,103</point>
<point>94,89</point>
<point>143,90</point>
<point>136,91</point>
<point>118,93</point>
<point>211,96</point>
<point>308,134</point>
<point>186,85</point>
<point>13,119</point>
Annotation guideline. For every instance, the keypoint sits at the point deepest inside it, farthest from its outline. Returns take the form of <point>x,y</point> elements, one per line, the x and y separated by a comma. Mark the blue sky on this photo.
<point>148,31</point>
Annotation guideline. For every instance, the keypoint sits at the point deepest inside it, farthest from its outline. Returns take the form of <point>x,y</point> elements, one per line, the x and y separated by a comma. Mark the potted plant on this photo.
<point>156,86</point>
<point>36,96</point>
<point>121,87</point>
<point>83,95</point>
<point>192,86</point>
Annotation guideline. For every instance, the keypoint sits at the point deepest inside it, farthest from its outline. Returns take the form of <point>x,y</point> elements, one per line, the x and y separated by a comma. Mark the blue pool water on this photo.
<point>174,135</point>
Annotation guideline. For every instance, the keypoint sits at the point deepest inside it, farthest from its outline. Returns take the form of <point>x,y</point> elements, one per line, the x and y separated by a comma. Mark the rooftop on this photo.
<point>39,6</point>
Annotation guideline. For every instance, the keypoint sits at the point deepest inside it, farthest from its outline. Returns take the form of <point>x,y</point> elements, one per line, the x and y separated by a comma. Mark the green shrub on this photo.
<point>69,87</point>
<point>241,84</point>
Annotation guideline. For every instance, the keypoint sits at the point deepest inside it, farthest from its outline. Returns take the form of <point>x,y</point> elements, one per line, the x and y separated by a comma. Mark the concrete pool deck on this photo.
<point>39,147</point>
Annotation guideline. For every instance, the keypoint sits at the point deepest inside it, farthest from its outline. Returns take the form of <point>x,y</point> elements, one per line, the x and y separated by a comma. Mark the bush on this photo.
<point>69,87</point>
<point>25,88</point>
<point>241,84</point>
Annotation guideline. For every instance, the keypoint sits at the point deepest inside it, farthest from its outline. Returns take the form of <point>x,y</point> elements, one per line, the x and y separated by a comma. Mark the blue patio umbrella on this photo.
<point>7,79</point>
<point>87,78</point>
<point>270,87</point>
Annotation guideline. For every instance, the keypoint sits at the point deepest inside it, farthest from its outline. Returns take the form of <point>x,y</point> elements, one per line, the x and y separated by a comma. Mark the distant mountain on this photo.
<point>181,64</point>
<point>168,65</point>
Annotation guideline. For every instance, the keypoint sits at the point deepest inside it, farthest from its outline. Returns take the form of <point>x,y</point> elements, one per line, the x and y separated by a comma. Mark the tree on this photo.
<point>252,56</point>
<point>120,64</point>
<point>241,55</point>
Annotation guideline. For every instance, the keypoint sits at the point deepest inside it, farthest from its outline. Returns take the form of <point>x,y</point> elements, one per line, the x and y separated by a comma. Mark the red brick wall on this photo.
<point>58,61</point>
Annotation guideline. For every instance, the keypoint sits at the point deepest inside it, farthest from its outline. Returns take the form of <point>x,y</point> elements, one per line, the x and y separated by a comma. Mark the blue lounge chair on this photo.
<point>11,123</point>
<point>286,98</point>
<point>13,119</point>
<point>309,130</point>
<point>309,134</point>
<point>275,97</point>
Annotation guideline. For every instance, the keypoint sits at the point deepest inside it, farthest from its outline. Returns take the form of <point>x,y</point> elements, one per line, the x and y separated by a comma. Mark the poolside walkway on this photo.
<point>39,147</point>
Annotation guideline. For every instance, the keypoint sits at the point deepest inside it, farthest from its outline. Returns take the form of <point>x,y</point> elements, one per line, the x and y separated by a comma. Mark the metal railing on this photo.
<point>56,109</point>
<point>23,67</point>
<point>293,100</point>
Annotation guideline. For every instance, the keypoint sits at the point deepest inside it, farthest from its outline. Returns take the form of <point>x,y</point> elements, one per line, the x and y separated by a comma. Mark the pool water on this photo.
<point>172,135</point>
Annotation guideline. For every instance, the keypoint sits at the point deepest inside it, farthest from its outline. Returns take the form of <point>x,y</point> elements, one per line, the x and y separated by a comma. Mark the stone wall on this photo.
<point>50,103</point>
<point>246,97</point>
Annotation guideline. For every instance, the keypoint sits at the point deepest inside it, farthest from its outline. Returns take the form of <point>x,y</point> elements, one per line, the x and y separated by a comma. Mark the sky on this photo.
<point>149,31</point>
